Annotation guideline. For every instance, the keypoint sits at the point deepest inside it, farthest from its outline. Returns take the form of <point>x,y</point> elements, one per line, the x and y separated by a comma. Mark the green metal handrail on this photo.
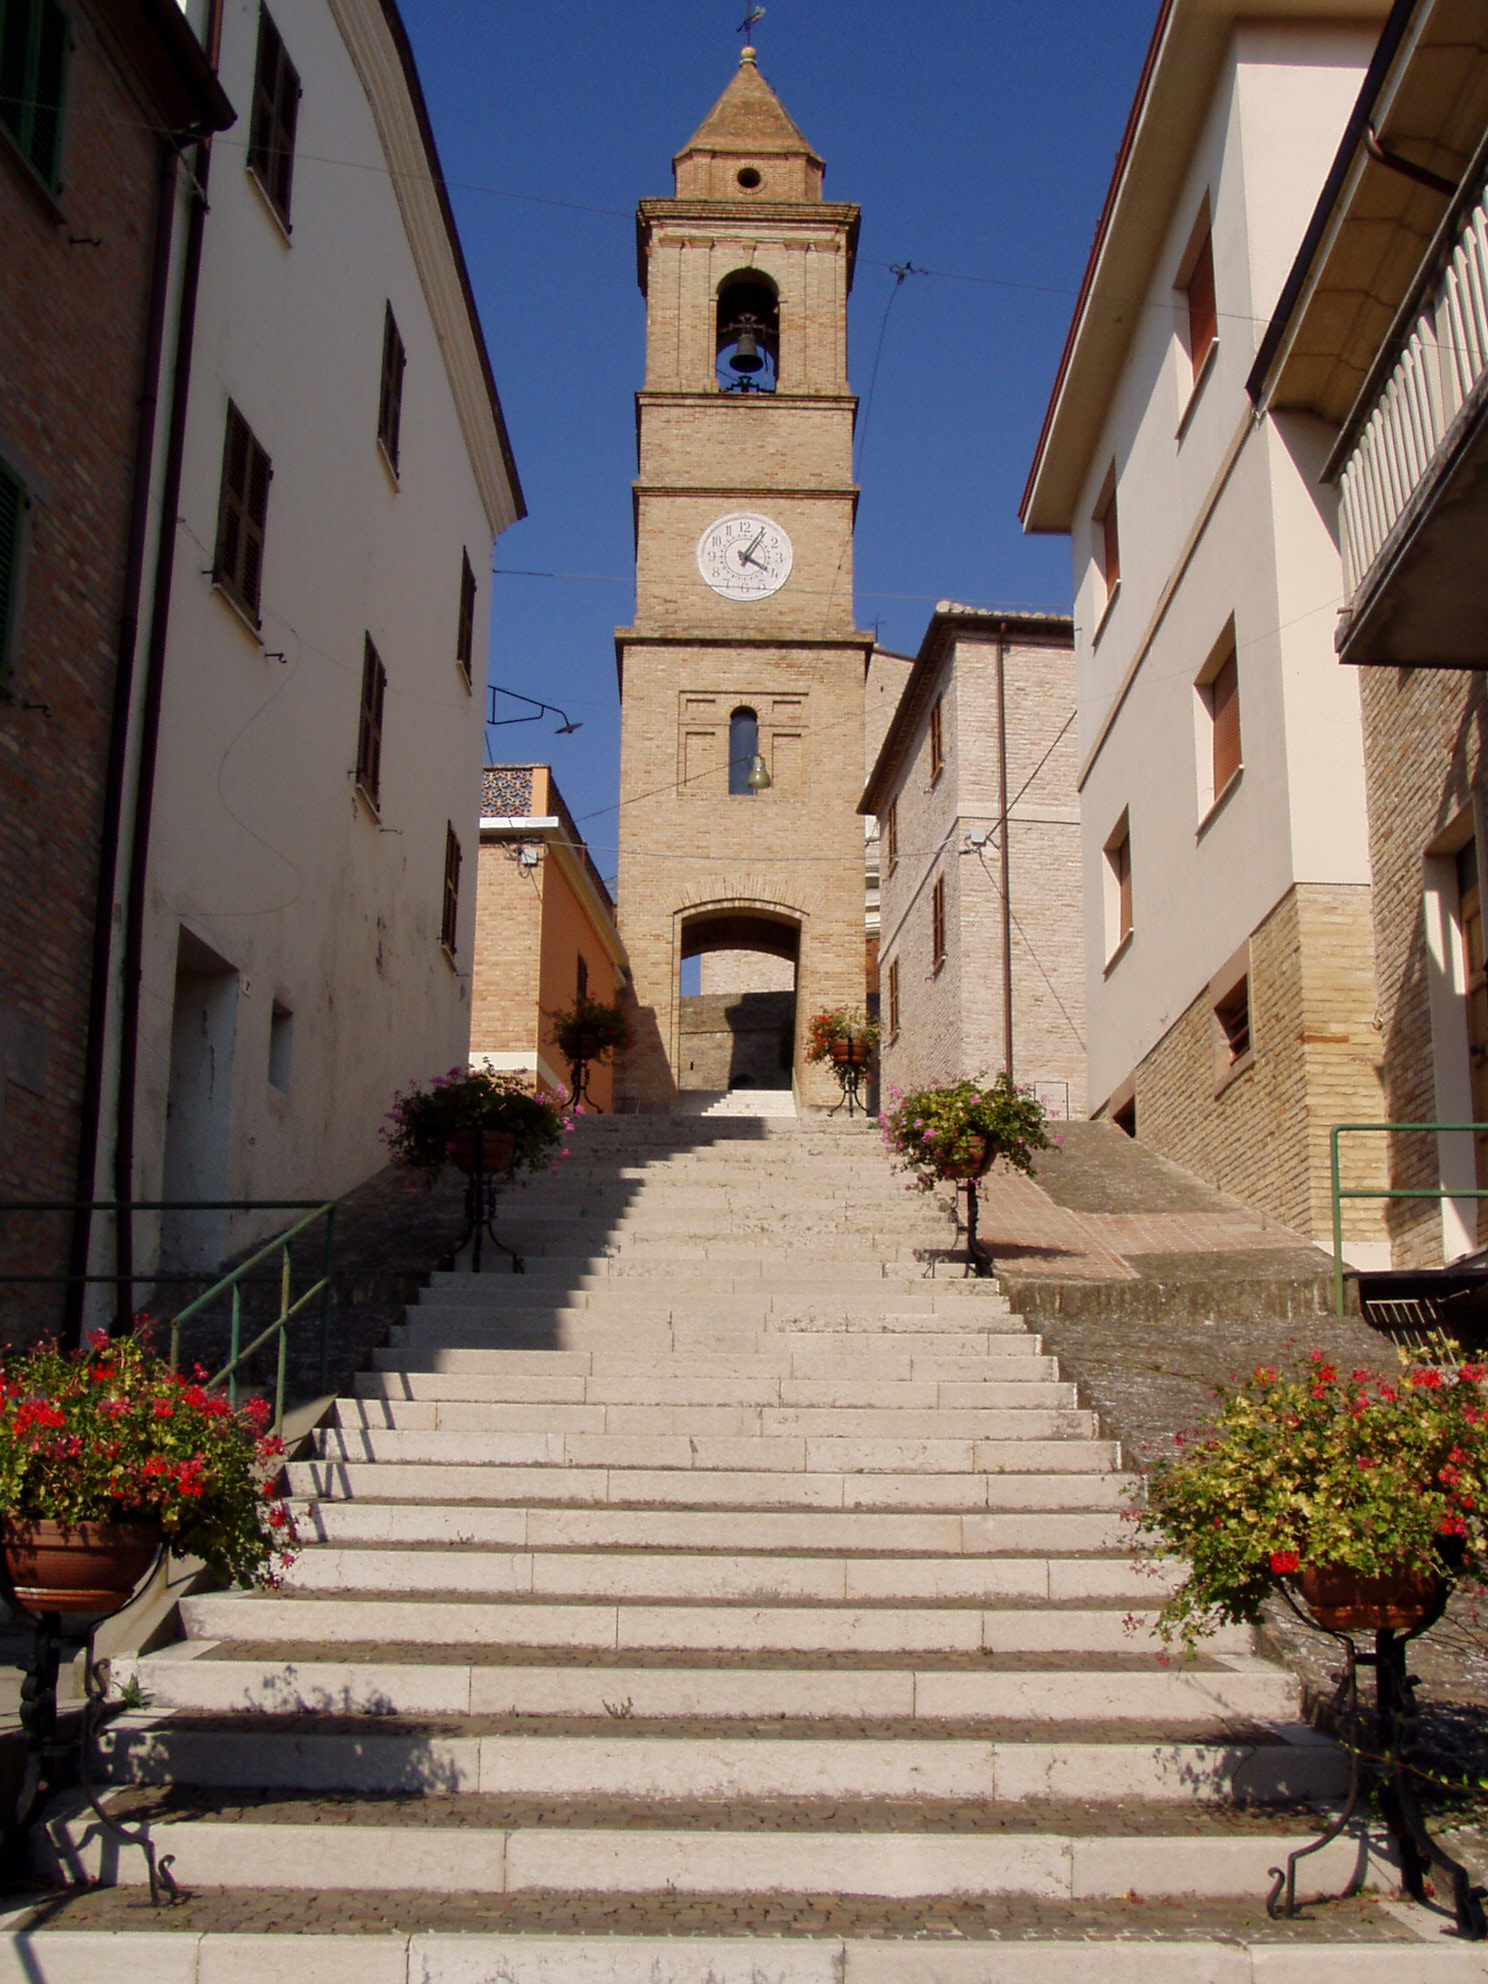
<point>240,1353</point>
<point>1438,1192</point>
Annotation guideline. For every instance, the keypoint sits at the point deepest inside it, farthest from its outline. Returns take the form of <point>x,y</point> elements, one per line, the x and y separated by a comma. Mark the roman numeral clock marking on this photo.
<point>744,556</point>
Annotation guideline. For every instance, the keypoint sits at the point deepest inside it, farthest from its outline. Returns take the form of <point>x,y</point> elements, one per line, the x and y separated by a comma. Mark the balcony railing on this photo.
<point>1441,356</point>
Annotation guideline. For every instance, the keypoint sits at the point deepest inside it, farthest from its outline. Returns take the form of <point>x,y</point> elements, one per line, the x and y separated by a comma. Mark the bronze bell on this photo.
<point>746,356</point>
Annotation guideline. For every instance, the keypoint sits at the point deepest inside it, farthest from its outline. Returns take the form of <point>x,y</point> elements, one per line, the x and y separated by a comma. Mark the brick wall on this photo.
<point>72,338</point>
<point>1424,733</point>
<point>736,1040</point>
<point>505,986</point>
<point>1317,1054</point>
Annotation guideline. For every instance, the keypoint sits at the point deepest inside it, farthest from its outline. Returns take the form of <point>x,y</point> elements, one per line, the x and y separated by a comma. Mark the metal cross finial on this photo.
<point>755,14</point>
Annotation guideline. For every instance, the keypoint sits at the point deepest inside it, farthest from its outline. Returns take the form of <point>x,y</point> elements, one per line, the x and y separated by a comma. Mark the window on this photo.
<point>276,108</point>
<point>1217,725</point>
<point>891,837</point>
<point>242,515</point>
<point>281,1042</point>
<point>35,36</point>
<point>12,521</point>
<point>894,1000</point>
<point>1199,288</point>
<point>369,724</point>
<point>1224,714</point>
<point>465,637</point>
<point>743,749</point>
<point>937,924</point>
<point>450,921</point>
<point>583,976</point>
<point>390,401</point>
<point>1107,535</point>
<point>937,742</point>
<point>1232,1011</point>
<point>1118,887</point>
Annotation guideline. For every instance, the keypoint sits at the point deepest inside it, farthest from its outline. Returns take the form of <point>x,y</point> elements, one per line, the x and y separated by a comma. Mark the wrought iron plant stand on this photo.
<point>851,1073</point>
<point>1388,1772</point>
<point>48,1750</point>
<point>482,1188</point>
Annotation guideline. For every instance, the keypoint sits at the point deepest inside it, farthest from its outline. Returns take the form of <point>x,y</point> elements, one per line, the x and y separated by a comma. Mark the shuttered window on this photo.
<point>1224,705</point>
<point>1232,1013</point>
<point>450,921</point>
<point>891,837</point>
<point>12,519</point>
<point>369,724</point>
<point>938,923</point>
<point>1110,547</point>
<point>276,110</point>
<point>35,39</point>
<point>937,742</point>
<point>1120,857</point>
<point>1202,319</point>
<point>242,515</point>
<point>894,1000</point>
<point>390,400</point>
<point>583,976</point>
<point>465,638</point>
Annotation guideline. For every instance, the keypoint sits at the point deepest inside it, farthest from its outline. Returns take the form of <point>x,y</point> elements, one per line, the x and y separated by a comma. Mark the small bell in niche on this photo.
<point>747,357</point>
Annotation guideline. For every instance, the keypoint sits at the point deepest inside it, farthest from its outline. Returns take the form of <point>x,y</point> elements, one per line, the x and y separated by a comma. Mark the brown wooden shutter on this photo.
<point>276,110</point>
<point>893,998</point>
<point>1111,547</point>
<point>937,757</point>
<point>937,922</point>
<point>450,921</point>
<point>1202,319</point>
<point>891,837</point>
<point>390,401</point>
<point>465,638</point>
<point>235,453</point>
<point>255,520</point>
<point>1224,703</point>
<point>369,728</point>
<point>1121,859</point>
<point>12,518</point>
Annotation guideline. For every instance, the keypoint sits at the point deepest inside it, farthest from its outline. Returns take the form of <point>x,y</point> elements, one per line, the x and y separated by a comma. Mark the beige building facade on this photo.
<point>1378,338</point>
<point>1226,871</point>
<point>743,656</point>
<point>980,939</point>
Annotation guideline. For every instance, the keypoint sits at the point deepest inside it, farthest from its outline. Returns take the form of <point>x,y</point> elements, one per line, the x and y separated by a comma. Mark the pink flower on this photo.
<point>1284,1562</point>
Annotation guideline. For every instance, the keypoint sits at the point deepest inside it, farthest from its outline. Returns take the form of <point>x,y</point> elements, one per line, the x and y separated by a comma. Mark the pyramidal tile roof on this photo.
<point>748,117</point>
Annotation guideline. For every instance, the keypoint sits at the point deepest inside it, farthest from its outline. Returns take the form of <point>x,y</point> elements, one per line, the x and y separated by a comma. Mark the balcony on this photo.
<point>1412,465</point>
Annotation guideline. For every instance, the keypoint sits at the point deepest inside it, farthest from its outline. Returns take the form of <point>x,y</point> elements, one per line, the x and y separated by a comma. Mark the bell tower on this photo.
<point>741,681</point>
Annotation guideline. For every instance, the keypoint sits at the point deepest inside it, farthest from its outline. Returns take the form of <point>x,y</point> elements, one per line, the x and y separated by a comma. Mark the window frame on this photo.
<point>390,390</point>
<point>937,739</point>
<point>938,925</point>
<point>15,496</point>
<point>1118,890</point>
<point>40,16</point>
<point>1215,723</point>
<point>893,975</point>
<point>465,629</point>
<point>736,760</point>
<point>1199,297</point>
<point>891,839</point>
<point>242,518</point>
<point>449,920</point>
<point>581,977</point>
<point>272,131</point>
<point>370,725</point>
<point>1234,1047</point>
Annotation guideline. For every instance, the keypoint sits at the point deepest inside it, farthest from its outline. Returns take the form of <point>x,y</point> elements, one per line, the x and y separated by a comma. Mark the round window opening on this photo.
<point>748,177</point>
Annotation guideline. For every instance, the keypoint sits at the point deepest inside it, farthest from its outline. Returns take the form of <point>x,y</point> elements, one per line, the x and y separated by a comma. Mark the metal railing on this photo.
<point>230,1284</point>
<point>1342,1192</point>
<point>1442,357</point>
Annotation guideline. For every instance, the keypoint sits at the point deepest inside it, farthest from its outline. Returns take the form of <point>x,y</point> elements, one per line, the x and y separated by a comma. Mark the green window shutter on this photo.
<point>12,516</point>
<point>51,74</point>
<point>35,37</point>
<point>15,64</point>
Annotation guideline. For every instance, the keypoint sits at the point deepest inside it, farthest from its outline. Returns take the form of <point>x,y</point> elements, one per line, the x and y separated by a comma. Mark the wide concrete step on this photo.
<point>152,1749</point>
<point>773,1577</point>
<point>1237,1688</point>
<point>1049,1447</point>
<point>422,1856</point>
<point>638,1487</point>
<point>805,1357</point>
<point>1050,1414</point>
<point>911,1287</point>
<point>726,1531</point>
<point>742,1628</point>
<point>648,1387</point>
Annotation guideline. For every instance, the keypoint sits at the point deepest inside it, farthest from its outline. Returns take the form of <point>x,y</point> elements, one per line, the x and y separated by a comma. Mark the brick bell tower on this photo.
<point>741,681</point>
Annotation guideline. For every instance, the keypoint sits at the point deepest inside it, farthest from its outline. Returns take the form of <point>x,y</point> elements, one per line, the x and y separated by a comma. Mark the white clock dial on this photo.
<point>745,556</point>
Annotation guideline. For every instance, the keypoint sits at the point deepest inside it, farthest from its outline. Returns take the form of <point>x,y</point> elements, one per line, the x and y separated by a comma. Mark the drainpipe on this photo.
<point>1007,899</point>
<point>85,1176</point>
<point>139,847</point>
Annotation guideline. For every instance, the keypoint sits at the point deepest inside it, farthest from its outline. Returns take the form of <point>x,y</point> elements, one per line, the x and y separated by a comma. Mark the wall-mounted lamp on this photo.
<point>759,779</point>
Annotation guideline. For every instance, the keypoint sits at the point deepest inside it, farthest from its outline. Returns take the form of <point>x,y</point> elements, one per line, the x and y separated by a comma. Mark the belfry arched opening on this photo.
<point>736,1005</point>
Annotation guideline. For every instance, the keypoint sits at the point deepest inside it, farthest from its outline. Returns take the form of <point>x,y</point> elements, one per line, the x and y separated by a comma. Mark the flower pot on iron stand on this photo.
<point>980,1155</point>
<point>486,1157</point>
<point>851,1061</point>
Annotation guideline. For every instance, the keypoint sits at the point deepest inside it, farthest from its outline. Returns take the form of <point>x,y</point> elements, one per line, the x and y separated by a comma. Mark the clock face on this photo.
<point>744,556</point>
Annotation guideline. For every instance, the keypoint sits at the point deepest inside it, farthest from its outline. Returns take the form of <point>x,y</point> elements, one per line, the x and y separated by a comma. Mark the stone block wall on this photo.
<point>736,1040</point>
<point>1265,1136</point>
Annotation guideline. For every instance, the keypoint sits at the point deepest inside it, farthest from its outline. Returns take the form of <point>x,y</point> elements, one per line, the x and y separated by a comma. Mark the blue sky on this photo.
<point>978,140</point>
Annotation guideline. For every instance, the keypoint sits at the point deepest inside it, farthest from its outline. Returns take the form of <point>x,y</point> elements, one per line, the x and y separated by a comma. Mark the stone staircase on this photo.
<point>738,1594</point>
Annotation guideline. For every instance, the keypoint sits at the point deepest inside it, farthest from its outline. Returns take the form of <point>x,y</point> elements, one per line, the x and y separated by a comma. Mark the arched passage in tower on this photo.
<point>738,1029</point>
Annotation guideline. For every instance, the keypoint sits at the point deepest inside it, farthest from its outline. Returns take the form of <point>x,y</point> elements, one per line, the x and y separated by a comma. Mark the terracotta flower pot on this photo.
<point>88,1568</point>
<point>977,1164</point>
<point>1344,1601</point>
<point>850,1053</point>
<point>498,1148</point>
<point>590,1047</point>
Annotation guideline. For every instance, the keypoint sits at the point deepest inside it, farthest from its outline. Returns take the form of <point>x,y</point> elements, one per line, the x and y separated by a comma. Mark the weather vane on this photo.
<point>754,14</point>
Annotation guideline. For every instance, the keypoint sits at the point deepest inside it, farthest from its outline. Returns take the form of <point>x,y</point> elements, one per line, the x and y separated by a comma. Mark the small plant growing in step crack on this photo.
<point>130,1693</point>
<point>621,1711</point>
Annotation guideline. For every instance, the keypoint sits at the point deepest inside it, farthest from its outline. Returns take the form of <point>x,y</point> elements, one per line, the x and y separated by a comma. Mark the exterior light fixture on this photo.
<point>759,779</point>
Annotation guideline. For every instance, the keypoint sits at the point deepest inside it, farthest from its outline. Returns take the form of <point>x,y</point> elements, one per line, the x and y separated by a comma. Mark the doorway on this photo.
<point>737,1002</point>
<point>198,1116</point>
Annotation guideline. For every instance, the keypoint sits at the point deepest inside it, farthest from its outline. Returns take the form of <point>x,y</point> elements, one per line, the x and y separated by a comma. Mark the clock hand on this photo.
<point>748,557</point>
